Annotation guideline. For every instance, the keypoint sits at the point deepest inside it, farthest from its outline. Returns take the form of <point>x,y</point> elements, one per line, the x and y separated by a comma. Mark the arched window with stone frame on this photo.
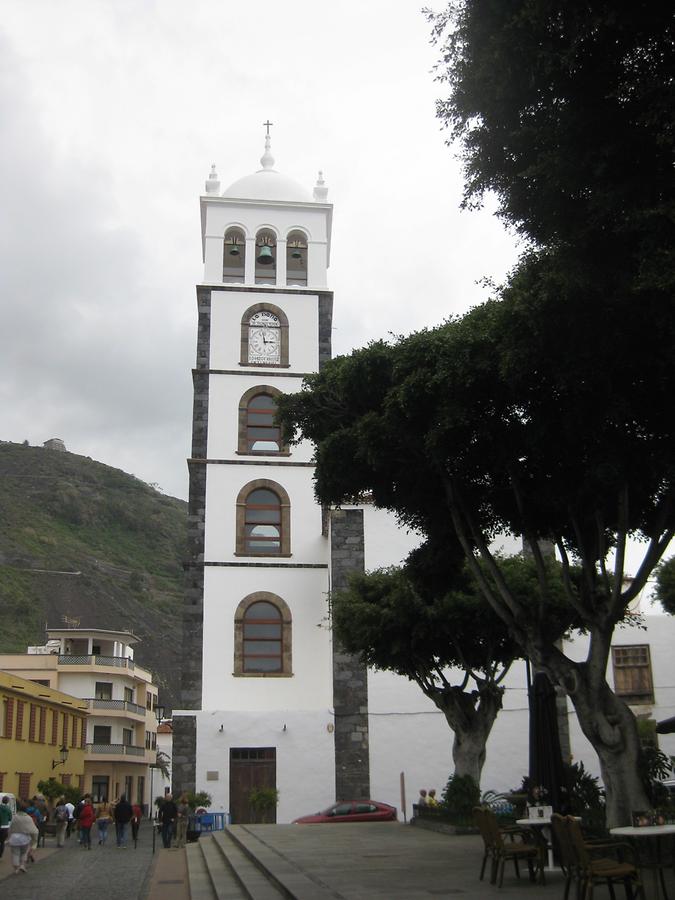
<point>234,256</point>
<point>296,258</point>
<point>263,636</point>
<point>259,433</point>
<point>263,526</point>
<point>264,336</point>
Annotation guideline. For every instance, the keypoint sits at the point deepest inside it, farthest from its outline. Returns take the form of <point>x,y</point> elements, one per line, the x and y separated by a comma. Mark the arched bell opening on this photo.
<point>265,257</point>
<point>296,258</point>
<point>234,256</point>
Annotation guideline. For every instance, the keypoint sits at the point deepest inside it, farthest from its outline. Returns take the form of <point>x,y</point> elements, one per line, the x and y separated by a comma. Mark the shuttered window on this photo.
<point>633,674</point>
<point>19,720</point>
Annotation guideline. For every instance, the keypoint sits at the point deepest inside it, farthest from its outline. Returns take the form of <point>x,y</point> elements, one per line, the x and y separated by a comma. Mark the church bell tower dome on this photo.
<point>268,184</point>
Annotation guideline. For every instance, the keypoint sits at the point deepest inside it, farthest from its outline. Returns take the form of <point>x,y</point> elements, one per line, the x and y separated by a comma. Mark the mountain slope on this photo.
<point>82,540</point>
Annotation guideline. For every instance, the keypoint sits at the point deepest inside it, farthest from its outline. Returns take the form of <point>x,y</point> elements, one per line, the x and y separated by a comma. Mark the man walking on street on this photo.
<point>168,814</point>
<point>123,814</point>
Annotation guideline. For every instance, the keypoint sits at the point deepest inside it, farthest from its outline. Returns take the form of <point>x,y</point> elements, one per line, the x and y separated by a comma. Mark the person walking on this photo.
<point>103,819</point>
<point>123,814</point>
<point>23,836</point>
<point>61,820</point>
<point>5,819</point>
<point>135,821</point>
<point>168,814</point>
<point>71,817</point>
<point>182,820</point>
<point>86,819</point>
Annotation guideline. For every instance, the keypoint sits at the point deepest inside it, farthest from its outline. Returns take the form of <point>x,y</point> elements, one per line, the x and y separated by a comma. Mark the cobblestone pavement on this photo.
<point>100,872</point>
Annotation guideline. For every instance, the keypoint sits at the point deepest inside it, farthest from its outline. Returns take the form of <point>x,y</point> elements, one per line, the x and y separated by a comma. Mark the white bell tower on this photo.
<point>257,656</point>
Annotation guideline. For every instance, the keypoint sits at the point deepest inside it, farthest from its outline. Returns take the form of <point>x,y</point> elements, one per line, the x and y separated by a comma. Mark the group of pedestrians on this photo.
<point>427,798</point>
<point>121,813</point>
<point>174,818</point>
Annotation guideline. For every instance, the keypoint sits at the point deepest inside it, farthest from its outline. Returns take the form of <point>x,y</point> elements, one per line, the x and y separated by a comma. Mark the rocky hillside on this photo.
<point>81,540</point>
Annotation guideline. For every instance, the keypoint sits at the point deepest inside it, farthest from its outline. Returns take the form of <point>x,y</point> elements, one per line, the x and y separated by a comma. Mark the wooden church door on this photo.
<point>251,767</point>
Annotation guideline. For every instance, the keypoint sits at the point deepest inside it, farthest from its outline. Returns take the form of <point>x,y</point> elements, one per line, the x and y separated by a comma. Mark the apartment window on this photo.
<point>633,674</point>
<point>127,737</point>
<point>153,740</point>
<point>55,728</point>
<point>103,690</point>
<point>99,788</point>
<point>73,733</point>
<point>24,784</point>
<point>140,790</point>
<point>147,740</point>
<point>102,734</point>
<point>32,722</point>
<point>83,734</point>
<point>65,779</point>
<point>64,729</point>
<point>19,722</point>
<point>129,695</point>
<point>7,717</point>
<point>43,724</point>
<point>129,787</point>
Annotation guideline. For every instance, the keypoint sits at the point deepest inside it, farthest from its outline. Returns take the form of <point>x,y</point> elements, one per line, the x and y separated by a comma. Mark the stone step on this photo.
<point>292,883</point>
<point>252,881</point>
<point>199,881</point>
<point>225,880</point>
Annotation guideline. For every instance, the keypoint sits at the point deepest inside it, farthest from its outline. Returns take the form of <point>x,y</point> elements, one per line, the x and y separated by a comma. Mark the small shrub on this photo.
<point>460,796</point>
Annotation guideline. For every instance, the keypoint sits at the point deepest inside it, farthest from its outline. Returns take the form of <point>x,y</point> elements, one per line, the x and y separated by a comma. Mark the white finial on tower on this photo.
<point>320,189</point>
<point>267,160</point>
<point>212,182</point>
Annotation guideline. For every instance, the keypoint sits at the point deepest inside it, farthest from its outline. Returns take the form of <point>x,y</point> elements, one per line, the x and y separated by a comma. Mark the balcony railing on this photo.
<point>116,749</point>
<point>121,662</point>
<point>126,705</point>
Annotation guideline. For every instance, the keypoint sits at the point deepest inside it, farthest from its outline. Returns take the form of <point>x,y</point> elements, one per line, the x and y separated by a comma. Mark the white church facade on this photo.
<point>267,699</point>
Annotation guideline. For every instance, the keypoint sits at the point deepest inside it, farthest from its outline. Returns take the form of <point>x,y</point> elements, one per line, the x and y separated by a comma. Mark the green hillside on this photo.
<point>82,540</point>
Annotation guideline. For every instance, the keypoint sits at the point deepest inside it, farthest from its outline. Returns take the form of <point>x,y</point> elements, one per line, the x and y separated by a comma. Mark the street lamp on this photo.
<point>159,715</point>
<point>63,753</point>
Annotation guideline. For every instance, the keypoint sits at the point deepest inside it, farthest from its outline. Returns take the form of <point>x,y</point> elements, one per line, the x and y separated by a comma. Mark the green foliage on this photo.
<point>51,789</point>
<point>263,800</point>
<point>665,585</point>
<point>71,794</point>
<point>198,799</point>
<point>563,112</point>
<point>162,762</point>
<point>459,797</point>
<point>654,767</point>
<point>585,793</point>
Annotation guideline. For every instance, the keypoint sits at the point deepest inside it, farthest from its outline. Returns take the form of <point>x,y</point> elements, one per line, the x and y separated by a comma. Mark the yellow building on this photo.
<point>43,733</point>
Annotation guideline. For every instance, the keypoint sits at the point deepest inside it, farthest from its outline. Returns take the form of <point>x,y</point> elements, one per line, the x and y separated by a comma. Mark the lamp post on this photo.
<point>63,753</point>
<point>159,715</point>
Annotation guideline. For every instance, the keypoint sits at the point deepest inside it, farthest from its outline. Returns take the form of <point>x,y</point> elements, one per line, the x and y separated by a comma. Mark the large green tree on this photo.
<point>534,415</point>
<point>665,585</point>
<point>563,111</point>
<point>429,621</point>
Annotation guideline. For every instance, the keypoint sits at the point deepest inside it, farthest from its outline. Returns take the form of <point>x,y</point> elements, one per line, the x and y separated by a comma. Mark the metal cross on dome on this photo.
<point>267,125</point>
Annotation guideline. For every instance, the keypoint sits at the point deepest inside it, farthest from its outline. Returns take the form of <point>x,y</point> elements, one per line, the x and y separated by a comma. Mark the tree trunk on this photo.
<point>610,727</point>
<point>471,717</point>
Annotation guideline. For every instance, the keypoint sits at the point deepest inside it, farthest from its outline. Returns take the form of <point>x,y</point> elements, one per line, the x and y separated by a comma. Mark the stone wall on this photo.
<point>350,679</point>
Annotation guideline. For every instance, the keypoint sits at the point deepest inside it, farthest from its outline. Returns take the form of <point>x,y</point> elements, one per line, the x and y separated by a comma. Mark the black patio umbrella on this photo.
<point>546,762</point>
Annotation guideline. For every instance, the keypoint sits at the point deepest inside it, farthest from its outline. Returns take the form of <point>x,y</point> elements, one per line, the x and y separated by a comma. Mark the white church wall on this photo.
<point>225,392</point>
<point>302,310</point>
<point>222,488</point>
<point>304,755</point>
<point>305,592</point>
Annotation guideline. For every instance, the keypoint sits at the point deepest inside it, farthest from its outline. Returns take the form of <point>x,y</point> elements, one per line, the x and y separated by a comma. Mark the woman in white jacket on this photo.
<point>23,834</point>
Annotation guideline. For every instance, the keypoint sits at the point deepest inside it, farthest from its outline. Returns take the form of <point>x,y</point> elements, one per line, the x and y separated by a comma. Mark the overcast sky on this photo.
<point>113,111</point>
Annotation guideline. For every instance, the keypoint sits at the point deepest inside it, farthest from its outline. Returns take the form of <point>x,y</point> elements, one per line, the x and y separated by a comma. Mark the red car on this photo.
<point>352,811</point>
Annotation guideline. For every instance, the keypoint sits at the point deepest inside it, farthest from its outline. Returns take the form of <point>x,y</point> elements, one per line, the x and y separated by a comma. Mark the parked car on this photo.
<point>352,811</point>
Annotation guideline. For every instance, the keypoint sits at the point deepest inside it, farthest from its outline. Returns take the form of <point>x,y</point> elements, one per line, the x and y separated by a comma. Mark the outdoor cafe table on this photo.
<point>646,832</point>
<point>543,822</point>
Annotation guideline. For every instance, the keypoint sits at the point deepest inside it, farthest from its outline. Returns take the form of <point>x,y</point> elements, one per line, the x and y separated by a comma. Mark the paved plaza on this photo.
<point>387,861</point>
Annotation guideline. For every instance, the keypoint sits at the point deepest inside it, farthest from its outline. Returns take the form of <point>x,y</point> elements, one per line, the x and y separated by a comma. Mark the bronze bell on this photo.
<point>265,256</point>
<point>296,253</point>
<point>234,250</point>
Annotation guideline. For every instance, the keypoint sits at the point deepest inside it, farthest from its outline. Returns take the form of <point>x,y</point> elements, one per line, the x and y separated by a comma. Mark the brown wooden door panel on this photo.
<point>250,767</point>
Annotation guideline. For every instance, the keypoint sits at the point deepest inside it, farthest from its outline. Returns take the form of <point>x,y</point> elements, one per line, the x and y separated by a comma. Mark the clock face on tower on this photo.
<point>264,338</point>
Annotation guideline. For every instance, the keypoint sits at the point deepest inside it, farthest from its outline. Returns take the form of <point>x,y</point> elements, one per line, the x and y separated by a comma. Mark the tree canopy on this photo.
<point>665,585</point>
<point>563,110</point>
